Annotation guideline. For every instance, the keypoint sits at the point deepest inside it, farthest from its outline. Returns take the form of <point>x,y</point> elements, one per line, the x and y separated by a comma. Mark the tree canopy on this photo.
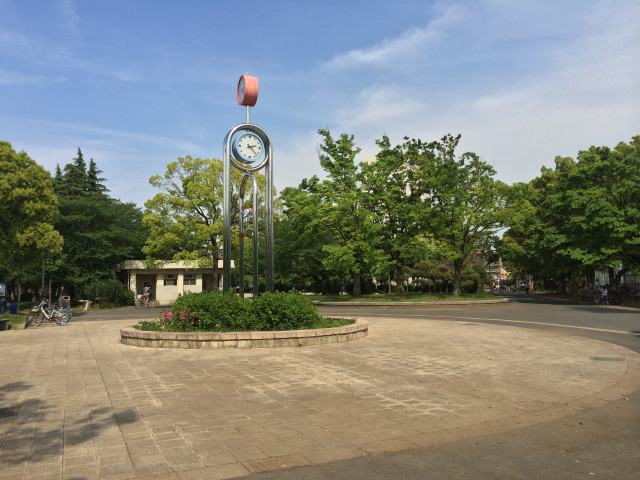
<point>184,219</point>
<point>28,211</point>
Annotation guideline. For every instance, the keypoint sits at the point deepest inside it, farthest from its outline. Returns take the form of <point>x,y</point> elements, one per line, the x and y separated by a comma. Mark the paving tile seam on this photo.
<point>113,409</point>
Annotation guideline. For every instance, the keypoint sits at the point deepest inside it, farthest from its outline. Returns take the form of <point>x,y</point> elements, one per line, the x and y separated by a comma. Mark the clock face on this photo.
<point>249,147</point>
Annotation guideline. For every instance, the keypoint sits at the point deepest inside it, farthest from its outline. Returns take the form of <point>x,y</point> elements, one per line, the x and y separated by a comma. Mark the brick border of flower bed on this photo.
<point>264,339</point>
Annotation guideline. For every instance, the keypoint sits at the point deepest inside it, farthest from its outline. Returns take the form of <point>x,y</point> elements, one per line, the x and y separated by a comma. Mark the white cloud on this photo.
<point>10,78</point>
<point>379,105</point>
<point>70,15</point>
<point>405,45</point>
<point>584,93</point>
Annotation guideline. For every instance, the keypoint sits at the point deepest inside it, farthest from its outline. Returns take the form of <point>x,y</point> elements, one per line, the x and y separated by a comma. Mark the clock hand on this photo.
<point>253,148</point>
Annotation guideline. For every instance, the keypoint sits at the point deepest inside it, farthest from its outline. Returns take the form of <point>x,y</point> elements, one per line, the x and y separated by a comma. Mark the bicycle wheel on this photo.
<point>34,319</point>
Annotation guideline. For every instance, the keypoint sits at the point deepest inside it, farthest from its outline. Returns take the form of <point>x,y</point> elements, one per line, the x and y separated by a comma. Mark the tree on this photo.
<point>94,182</point>
<point>27,213</point>
<point>462,204</point>
<point>99,231</point>
<point>343,210</point>
<point>581,216</point>
<point>185,218</point>
<point>74,176</point>
<point>393,198</point>
<point>300,235</point>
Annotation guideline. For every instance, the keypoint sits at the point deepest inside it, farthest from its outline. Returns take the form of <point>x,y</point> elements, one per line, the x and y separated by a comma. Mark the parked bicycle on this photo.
<point>45,313</point>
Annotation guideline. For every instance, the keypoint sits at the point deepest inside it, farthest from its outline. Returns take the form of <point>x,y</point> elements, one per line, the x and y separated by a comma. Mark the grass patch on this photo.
<point>167,326</point>
<point>15,321</point>
<point>410,297</point>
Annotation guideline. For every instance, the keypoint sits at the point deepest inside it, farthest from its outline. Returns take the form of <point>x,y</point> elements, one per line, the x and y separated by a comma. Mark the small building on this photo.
<point>168,279</point>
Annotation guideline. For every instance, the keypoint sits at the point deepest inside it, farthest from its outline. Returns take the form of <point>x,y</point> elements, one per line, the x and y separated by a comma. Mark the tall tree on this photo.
<point>74,176</point>
<point>579,217</point>
<point>343,208</point>
<point>27,212</point>
<point>99,231</point>
<point>185,218</point>
<point>95,183</point>
<point>392,195</point>
<point>300,235</point>
<point>462,203</point>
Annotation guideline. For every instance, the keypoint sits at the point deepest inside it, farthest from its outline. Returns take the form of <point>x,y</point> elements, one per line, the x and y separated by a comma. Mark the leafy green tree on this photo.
<point>395,200</point>
<point>185,218</point>
<point>354,251</point>
<point>27,213</point>
<point>599,201</point>
<point>300,235</point>
<point>581,216</point>
<point>462,202</point>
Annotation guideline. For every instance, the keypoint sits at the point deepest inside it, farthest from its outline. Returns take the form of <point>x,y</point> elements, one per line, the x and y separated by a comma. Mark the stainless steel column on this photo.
<point>226,246</point>
<point>269,222</point>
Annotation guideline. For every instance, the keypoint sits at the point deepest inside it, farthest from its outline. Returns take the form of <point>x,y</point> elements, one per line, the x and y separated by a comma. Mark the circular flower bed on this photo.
<point>215,320</point>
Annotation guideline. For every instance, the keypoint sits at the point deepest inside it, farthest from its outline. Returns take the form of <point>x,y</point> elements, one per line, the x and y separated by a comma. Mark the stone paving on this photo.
<point>76,404</point>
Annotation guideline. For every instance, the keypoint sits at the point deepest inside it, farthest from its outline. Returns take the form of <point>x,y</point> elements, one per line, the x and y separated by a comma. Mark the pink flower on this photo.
<point>183,314</point>
<point>167,315</point>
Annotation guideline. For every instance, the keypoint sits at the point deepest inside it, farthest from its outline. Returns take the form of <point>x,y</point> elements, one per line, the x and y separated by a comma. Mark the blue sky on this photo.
<point>136,84</point>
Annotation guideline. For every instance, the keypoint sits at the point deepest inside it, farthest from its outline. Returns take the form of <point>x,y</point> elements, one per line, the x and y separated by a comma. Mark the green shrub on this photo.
<point>211,311</point>
<point>283,311</point>
<point>218,312</point>
<point>108,292</point>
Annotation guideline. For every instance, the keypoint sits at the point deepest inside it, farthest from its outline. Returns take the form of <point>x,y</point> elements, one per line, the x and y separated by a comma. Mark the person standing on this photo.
<point>605,295</point>
<point>146,294</point>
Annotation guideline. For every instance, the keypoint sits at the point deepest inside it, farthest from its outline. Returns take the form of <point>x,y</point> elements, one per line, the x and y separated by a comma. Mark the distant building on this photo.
<point>168,279</point>
<point>497,273</point>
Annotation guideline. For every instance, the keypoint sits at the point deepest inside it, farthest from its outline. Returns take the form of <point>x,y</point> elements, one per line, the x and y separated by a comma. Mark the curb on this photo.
<point>269,339</point>
<point>404,304</point>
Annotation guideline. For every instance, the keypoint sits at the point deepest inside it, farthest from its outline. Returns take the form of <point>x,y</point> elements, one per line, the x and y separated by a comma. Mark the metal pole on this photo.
<point>242,232</point>
<point>226,252</point>
<point>269,287</point>
<point>256,284</point>
<point>248,114</point>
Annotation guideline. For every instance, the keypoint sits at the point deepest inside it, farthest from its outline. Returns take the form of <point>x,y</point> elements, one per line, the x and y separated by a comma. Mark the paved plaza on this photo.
<point>75,403</point>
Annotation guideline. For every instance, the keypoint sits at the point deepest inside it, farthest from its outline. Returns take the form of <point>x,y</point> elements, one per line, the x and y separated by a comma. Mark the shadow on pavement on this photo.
<point>38,430</point>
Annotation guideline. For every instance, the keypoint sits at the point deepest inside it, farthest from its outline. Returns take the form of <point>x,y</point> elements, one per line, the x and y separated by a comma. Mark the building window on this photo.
<point>171,279</point>
<point>189,279</point>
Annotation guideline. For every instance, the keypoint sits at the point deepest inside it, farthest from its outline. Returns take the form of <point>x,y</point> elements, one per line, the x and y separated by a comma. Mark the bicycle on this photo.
<point>140,303</point>
<point>42,312</point>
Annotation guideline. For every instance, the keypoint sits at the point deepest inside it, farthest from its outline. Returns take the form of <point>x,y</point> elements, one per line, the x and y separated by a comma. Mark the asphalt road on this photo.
<point>599,443</point>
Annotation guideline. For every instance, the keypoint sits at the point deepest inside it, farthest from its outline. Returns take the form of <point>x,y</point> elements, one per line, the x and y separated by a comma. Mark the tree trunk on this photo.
<point>612,276</point>
<point>618,277</point>
<point>357,287</point>
<point>457,277</point>
<point>325,283</point>
<point>399,274</point>
<point>216,273</point>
